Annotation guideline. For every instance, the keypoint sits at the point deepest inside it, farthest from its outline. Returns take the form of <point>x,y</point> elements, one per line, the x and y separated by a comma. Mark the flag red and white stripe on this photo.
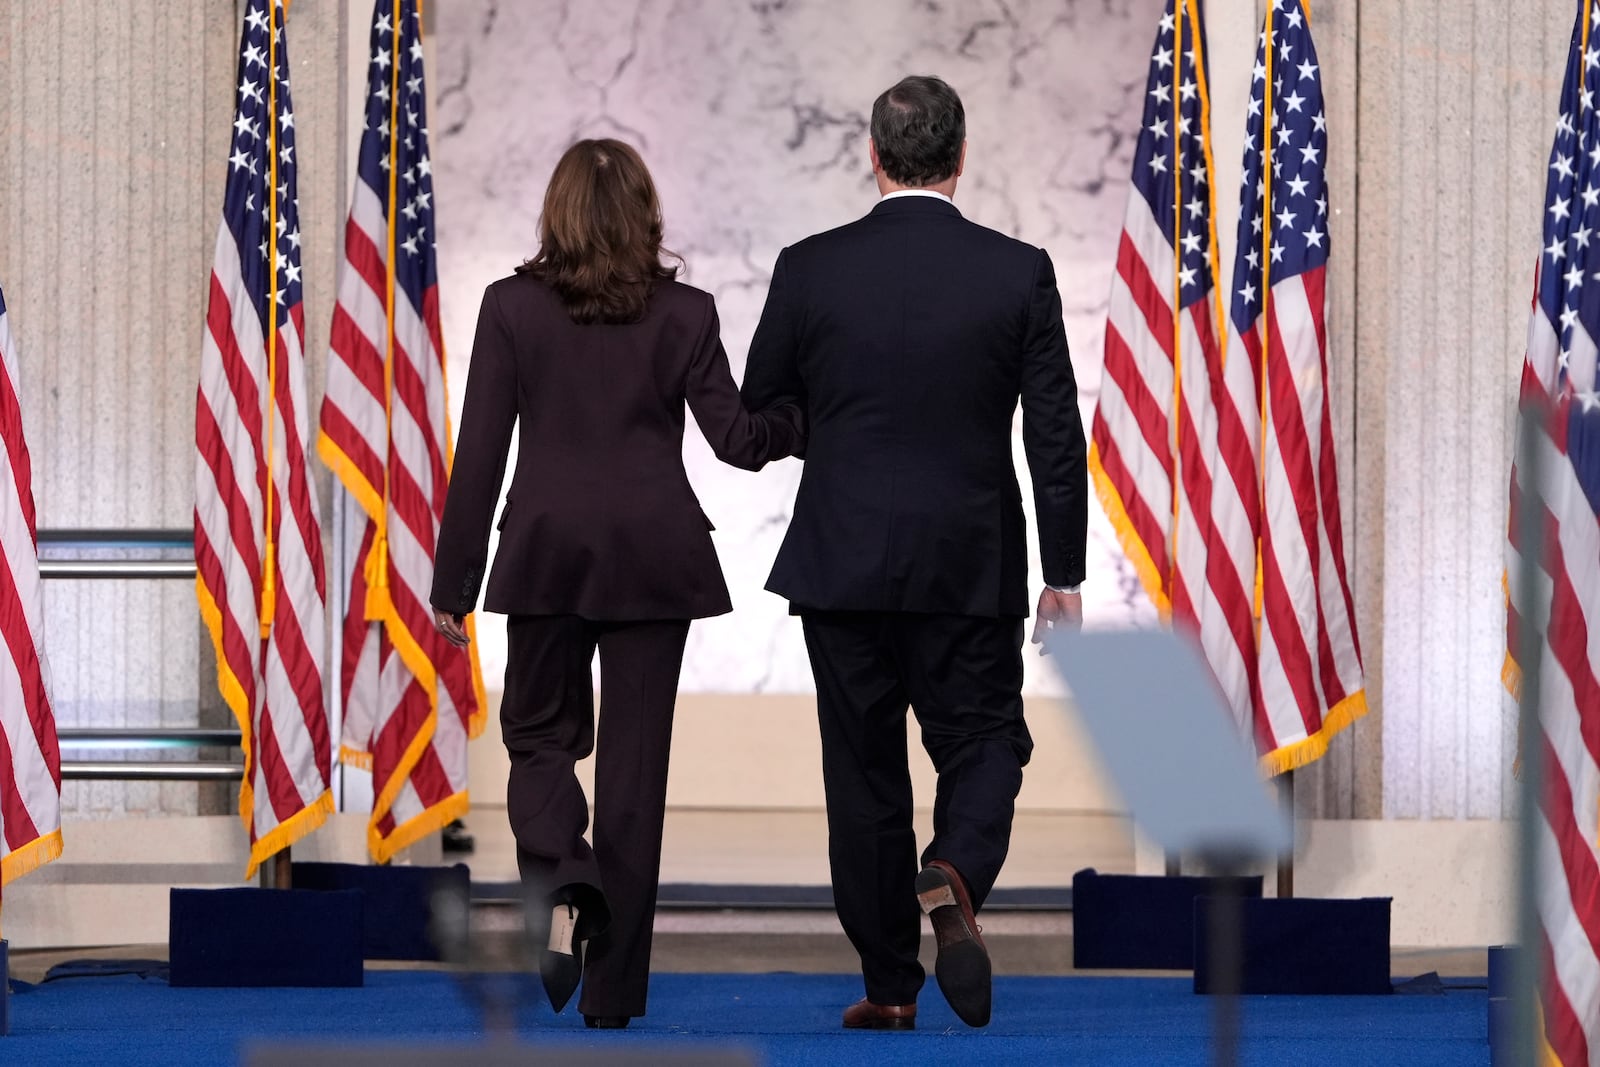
<point>30,758</point>
<point>258,541</point>
<point>411,700</point>
<point>1553,567</point>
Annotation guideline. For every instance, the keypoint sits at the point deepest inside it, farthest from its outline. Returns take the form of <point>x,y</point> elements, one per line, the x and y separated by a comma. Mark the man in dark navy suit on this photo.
<point>908,337</point>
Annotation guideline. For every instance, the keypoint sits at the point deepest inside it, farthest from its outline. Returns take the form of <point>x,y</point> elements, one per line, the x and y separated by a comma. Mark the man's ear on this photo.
<point>961,160</point>
<point>872,153</point>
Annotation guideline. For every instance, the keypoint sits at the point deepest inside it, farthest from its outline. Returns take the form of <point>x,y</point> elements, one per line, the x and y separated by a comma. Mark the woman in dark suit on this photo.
<point>593,350</point>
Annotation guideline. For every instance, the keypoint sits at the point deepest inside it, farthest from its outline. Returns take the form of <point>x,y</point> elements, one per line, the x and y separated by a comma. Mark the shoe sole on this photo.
<point>962,967</point>
<point>884,1024</point>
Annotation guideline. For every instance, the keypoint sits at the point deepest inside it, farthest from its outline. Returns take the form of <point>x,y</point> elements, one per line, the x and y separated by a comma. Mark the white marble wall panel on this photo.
<point>753,117</point>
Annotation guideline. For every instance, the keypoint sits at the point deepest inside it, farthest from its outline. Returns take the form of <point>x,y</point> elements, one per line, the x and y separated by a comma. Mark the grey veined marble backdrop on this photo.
<point>753,118</point>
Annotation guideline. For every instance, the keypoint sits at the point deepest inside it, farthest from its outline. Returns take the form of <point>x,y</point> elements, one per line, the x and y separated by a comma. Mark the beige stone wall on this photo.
<point>112,141</point>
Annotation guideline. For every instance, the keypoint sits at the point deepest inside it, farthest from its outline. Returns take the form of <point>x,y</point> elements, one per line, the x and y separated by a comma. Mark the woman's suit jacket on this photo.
<point>600,520</point>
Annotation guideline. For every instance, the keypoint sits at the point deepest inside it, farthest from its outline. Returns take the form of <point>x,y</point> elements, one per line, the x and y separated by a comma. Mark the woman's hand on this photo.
<point>453,627</point>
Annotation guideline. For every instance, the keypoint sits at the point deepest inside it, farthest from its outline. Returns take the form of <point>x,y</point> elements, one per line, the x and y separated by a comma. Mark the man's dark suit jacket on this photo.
<point>908,337</point>
<point>600,520</point>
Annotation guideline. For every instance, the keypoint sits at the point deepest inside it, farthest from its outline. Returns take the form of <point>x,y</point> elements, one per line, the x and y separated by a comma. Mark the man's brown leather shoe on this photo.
<point>865,1015</point>
<point>962,965</point>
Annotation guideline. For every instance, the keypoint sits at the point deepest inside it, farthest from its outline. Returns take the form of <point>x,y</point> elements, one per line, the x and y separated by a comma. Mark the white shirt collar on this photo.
<point>918,192</point>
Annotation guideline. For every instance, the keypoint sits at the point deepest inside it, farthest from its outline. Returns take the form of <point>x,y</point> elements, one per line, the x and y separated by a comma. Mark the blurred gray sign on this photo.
<point>1168,743</point>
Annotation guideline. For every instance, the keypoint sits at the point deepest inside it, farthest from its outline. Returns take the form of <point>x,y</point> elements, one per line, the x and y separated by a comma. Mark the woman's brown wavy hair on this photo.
<point>600,235</point>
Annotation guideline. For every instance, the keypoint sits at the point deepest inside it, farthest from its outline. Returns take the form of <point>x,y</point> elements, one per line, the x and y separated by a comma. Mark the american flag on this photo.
<point>1190,452</point>
<point>411,699</point>
<point>1280,503</point>
<point>1560,483</point>
<point>257,538</point>
<point>30,758</point>
<point>1155,471</point>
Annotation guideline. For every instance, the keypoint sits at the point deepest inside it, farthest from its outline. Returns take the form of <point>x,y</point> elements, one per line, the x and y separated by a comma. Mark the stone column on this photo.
<point>1457,108</point>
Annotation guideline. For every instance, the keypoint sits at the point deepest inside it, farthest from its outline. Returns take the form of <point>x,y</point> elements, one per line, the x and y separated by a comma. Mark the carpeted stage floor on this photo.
<point>780,1018</point>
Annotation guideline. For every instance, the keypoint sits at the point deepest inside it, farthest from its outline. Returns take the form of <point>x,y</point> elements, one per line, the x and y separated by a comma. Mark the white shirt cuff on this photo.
<point>1070,590</point>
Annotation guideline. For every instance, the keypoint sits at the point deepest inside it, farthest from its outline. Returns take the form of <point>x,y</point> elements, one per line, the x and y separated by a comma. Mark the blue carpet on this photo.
<point>785,1018</point>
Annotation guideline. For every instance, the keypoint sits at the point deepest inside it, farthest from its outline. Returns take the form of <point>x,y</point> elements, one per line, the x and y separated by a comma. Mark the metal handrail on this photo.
<point>135,737</point>
<point>145,567</point>
<point>117,568</point>
<point>131,538</point>
<point>113,737</point>
<point>132,771</point>
<point>151,567</point>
